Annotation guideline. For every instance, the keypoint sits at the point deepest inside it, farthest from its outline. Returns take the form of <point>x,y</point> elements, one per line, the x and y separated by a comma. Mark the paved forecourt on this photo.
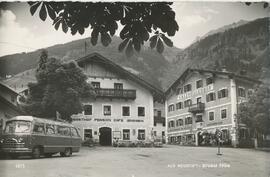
<point>171,161</point>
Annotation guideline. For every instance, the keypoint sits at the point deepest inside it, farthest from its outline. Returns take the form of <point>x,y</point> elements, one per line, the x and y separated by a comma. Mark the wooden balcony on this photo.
<point>115,93</point>
<point>197,108</point>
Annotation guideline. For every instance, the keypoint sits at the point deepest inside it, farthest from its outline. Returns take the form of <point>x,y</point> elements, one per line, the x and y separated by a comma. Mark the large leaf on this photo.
<point>43,13</point>
<point>34,7</point>
<point>137,45</point>
<point>105,39</point>
<point>160,46</point>
<point>51,12</point>
<point>153,41</point>
<point>167,41</point>
<point>122,45</point>
<point>64,26</point>
<point>94,36</point>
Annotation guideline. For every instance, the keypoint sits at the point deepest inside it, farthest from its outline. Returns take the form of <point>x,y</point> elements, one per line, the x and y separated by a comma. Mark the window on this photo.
<point>38,128</point>
<point>107,110</point>
<point>118,86</point>
<point>209,80</point>
<point>199,99</point>
<point>163,133</point>
<point>223,93</point>
<point>187,88</point>
<point>179,105</point>
<point>187,103</point>
<point>188,120</point>
<point>159,113</point>
<point>126,134</point>
<point>141,134</point>
<point>96,84</point>
<point>211,96</point>
<point>199,118</point>
<point>199,84</point>
<point>125,111</point>
<point>64,131</point>
<point>223,113</point>
<point>50,129</point>
<point>241,92</point>
<point>87,109</point>
<point>211,116</point>
<point>179,122</point>
<point>155,133</point>
<point>179,91</point>
<point>171,124</point>
<point>141,111</point>
<point>87,134</point>
<point>171,108</point>
<point>74,132</point>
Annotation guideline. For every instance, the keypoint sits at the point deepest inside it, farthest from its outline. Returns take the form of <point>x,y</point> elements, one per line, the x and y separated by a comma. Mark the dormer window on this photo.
<point>209,80</point>
<point>96,85</point>
<point>187,88</point>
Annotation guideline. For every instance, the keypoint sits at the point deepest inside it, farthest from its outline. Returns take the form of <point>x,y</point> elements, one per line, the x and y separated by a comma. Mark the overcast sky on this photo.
<point>21,32</point>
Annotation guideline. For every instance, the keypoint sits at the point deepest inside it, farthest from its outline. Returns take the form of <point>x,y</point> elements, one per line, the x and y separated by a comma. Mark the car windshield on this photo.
<point>18,126</point>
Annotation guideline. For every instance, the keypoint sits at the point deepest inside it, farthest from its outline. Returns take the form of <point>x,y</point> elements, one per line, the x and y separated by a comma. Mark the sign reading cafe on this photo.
<point>196,92</point>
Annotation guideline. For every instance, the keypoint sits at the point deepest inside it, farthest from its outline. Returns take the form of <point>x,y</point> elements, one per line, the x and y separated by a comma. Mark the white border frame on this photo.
<point>92,108</point>
<point>144,110</point>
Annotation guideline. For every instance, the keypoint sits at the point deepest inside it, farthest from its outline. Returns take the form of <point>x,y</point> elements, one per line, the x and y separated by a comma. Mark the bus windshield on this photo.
<point>18,126</point>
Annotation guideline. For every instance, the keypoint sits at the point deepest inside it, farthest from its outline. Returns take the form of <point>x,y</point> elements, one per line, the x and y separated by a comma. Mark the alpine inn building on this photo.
<point>123,107</point>
<point>204,101</point>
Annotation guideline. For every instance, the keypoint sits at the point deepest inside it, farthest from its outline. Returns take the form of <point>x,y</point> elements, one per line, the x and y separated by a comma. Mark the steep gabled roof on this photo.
<point>96,57</point>
<point>224,73</point>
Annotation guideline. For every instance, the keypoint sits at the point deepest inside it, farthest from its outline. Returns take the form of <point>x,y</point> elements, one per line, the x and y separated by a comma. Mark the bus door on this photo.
<point>38,134</point>
<point>52,139</point>
<point>64,139</point>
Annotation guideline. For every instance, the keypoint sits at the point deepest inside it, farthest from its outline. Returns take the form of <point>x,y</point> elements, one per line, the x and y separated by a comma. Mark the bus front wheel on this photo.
<point>66,153</point>
<point>36,153</point>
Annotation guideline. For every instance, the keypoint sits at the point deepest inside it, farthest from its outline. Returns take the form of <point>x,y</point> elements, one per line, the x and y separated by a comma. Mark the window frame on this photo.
<point>222,109</point>
<point>209,116</point>
<point>143,111</point>
<point>123,137</point>
<point>103,105</point>
<point>122,110</point>
<point>214,96</point>
<point>197,83</point>
<point>185,91</point>
<point>91,109</point>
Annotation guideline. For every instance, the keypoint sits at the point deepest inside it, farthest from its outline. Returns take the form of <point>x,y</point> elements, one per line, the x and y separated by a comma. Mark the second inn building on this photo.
<point>200,102</point>
<point>123,107</point>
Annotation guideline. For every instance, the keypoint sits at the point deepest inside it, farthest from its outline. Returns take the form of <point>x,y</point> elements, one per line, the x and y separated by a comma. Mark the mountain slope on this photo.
<point>147,64</point>
<point>245,47</point>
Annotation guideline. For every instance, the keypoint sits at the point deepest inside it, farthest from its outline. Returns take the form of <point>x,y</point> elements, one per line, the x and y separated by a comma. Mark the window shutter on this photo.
<point>214,96</point>
<point>207,97</point>
<point>219,94</point>
<point>226,93</point>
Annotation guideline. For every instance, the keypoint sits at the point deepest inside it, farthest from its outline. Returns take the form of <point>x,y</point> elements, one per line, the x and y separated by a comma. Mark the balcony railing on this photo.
<point>196,108</point>
<point>115,93</point>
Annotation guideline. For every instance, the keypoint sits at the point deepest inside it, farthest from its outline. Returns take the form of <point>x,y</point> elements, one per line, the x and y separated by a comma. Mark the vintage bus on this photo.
<point>37,136</point>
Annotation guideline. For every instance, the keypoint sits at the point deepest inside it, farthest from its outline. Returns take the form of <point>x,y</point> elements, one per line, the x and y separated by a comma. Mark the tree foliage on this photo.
<point>139,21</point>
<point>256,112</point>
<point>59,88</point>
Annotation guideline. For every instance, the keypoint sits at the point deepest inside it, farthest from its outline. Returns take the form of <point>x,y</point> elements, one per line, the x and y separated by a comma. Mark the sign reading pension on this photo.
<point>196,92</point>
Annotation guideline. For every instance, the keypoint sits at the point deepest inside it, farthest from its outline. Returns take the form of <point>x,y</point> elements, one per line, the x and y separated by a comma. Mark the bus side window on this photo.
<point>74,132</point>
<point>64,131</point>
<point>50,129</point>
<point>38,128</point>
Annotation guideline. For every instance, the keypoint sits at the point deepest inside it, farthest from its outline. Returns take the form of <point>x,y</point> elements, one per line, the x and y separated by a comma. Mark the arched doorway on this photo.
<point>105,136</point>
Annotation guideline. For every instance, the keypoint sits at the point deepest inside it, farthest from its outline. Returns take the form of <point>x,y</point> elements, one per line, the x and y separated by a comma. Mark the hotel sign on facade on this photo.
<point>196,92</point>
